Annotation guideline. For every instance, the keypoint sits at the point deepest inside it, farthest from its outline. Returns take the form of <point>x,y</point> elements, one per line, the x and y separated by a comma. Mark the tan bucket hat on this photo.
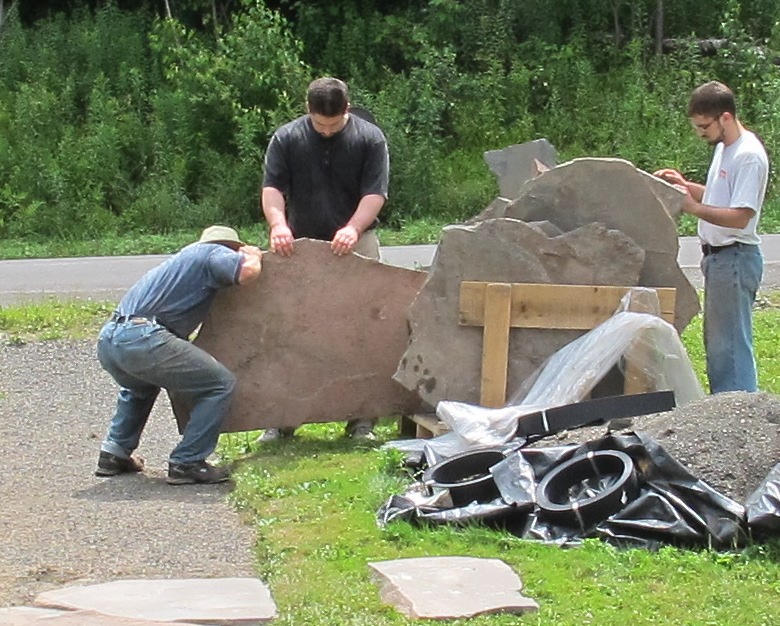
<point>221,234</point>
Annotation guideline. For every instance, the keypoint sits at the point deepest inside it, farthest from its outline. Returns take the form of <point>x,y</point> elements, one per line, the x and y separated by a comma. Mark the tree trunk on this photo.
<point>659,27</point>
<point>168,10</point>
<point>616,23</point>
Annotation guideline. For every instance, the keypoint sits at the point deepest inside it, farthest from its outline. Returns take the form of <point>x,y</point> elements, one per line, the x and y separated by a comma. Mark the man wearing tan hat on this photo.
<point>145,348</point>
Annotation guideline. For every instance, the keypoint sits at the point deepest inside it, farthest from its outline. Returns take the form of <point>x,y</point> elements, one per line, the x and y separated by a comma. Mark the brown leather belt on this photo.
<point>135,319</point>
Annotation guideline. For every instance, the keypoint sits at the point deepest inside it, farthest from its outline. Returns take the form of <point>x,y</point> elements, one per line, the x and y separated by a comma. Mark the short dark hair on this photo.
<point>712,99</point>
<point>328,96</point>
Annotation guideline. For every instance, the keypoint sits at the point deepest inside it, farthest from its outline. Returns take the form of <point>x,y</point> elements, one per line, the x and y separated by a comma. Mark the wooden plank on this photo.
<point>495,343</point>
<point>578,307</point>
<point>641,354</point>
<point>423,425</point>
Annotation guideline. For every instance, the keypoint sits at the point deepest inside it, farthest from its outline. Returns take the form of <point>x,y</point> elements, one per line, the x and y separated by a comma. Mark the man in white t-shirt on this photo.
<point>728,208</point>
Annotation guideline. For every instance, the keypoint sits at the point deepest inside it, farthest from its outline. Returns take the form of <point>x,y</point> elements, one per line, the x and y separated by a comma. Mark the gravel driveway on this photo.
<point>60,524</point>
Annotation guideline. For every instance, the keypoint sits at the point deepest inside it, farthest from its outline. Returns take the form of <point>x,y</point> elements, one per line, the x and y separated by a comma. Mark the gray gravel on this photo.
<point>60,524</point>
<point>729,440</point>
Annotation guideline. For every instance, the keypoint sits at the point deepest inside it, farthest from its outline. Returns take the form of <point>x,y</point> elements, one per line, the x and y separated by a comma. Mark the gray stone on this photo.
<point>491,211</point>
<point>443,359</point>
<point>316,339</point>
<point>31,616</point>
<point>516,164</point>
<point>451,587</point>
<point>614,193</point>
<point>668,195</point>
<point>226,601</point>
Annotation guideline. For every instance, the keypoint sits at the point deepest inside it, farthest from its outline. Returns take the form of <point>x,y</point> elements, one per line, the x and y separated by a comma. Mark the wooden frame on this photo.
<point>497,307</point>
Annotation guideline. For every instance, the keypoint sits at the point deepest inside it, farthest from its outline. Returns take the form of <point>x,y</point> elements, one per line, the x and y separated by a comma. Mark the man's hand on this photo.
<point>344,240</point>
<point>251,264</point>
<point>671,176</point>
<point>251,250</point>
<point>281,240</point>
<point>688,205</point>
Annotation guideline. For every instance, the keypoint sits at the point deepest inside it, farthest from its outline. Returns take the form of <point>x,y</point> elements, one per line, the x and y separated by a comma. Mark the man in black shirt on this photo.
<point>326,177</point>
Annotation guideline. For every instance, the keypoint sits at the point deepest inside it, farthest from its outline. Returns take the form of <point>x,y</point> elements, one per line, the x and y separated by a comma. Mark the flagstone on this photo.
<point>227,601</point>
<point>32,616</point>
<point>316,339</point>
<point>451,587</point>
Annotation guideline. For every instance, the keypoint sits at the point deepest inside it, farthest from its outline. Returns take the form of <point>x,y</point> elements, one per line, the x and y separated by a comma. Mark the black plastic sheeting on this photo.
<point>671,506</point>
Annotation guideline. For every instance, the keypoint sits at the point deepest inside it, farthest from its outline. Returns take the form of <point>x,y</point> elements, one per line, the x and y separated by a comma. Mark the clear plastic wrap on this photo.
<point>644,346</point>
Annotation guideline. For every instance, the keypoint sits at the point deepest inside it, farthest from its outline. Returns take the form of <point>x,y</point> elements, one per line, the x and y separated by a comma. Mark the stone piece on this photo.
<point>443,360</point>
<point>614,193</point>
<point>516,164</point>
<point>315,339</point>
<point>451,587</point>
<point>31,616</point>
<point>668,195</point>
<point>225,601</point>
<point>491,211</point>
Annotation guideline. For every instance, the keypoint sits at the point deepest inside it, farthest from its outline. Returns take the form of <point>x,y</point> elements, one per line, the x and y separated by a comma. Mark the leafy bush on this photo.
<point>117,121</point>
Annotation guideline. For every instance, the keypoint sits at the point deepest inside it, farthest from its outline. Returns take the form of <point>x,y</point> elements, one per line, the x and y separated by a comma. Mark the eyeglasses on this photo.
<point>703,128</point>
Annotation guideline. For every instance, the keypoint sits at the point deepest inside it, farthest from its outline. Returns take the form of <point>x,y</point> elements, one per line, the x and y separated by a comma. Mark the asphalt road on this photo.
<point>107,278</point>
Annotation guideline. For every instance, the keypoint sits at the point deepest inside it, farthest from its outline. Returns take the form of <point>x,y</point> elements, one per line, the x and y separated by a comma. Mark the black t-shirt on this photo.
<point>324,178</point>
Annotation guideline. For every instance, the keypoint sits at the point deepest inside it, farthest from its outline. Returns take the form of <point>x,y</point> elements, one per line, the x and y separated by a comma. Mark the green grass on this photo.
<point>53,319</point>
<point>313,503</point>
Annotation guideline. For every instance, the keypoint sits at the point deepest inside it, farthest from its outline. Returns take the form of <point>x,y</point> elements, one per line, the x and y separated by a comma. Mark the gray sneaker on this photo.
<point>194,473</point>
<point>274,434</point>
<point>363,433</point>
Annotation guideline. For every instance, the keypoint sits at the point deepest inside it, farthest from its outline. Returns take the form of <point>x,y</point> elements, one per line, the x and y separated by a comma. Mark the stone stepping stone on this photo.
<point>227,601</point>
<point>451,587</point>
<point>31,616</point>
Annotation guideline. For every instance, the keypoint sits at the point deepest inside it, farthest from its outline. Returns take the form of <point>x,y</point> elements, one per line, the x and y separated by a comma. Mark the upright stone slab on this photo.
<point>443,359</point>
<point>451,587</point>
<point>516,164</point>
<point>315,339</point>
<point>614,193</point>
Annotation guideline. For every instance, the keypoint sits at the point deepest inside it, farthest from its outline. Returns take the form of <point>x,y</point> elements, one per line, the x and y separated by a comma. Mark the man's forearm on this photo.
<point>696,190</point>
<point>720,216</point>
<point>273,206</point>
<point>366,213</point>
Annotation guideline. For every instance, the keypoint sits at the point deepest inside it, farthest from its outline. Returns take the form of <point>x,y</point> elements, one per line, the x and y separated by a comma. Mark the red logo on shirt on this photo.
<point>722,174</point>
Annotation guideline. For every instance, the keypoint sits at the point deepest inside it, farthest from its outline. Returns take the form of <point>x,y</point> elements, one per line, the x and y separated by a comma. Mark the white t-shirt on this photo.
<point>736,179</point>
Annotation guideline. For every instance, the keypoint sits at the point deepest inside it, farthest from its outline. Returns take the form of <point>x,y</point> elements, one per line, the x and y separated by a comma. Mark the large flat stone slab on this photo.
<point>615,193</point>
<point>32,616</point>
<point>443,360</point>
<point>516,164</point>
<point>451,587</point>
<point>224,601</point>
<point>316,339</point>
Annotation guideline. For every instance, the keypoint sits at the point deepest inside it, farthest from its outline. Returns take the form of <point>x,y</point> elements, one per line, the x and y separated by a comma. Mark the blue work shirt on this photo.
<point>179,292</point>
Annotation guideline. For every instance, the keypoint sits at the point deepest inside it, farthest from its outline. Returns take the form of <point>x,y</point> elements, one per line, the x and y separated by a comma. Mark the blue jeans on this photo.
<point>731,280</point>
<point>144,357</point>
